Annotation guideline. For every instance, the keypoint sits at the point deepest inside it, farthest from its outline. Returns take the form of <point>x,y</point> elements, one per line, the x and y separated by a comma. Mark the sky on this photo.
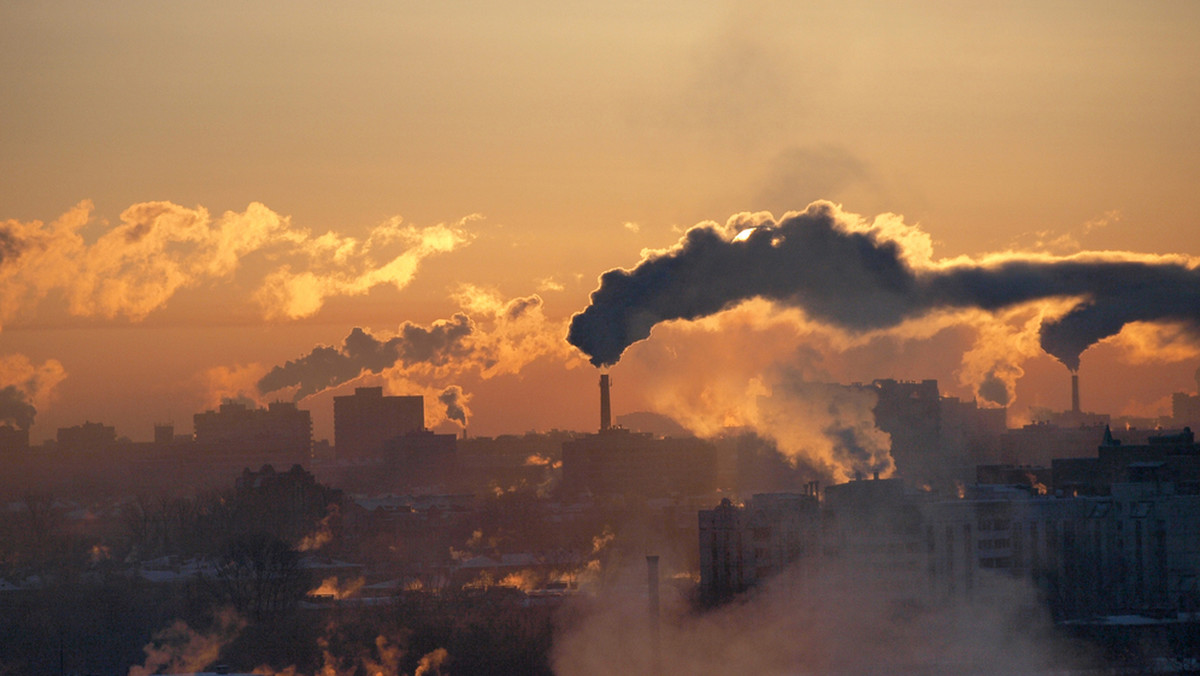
<point>196,194</point>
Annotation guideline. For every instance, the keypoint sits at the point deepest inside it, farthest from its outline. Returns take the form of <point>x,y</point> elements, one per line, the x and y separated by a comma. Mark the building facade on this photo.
<point>365,421</point>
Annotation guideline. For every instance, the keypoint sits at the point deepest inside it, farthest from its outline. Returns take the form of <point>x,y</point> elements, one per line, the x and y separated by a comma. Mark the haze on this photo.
<point>545,143</point>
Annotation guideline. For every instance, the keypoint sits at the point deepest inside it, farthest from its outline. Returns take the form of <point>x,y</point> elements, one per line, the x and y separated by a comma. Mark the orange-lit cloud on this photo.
<point>160,248</point>
<point>239,381</point>
<point>25,387</point>
<point>333,265</point>
<point>499,337</point>
<point>1144,343</point>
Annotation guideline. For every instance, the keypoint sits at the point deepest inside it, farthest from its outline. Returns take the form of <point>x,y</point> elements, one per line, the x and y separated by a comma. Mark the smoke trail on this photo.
<point>456,404</point>
<point>362,352</point>
<point>499,337</point>
<point>15,409</point>
<point>858,276</point>
<point>179,648</point>
<point>28,387</point>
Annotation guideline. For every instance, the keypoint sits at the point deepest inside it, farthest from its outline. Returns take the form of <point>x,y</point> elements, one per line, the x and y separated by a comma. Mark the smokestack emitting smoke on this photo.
<point>860,277</point>
<point>605,405</point>
<point>1074,392</point>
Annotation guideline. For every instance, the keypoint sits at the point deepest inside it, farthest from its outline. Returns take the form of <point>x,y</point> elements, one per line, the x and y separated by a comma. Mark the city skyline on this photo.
<point>199,196</point>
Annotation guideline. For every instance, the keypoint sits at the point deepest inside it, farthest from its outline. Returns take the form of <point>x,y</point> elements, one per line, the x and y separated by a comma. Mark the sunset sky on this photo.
<point>197,193</point>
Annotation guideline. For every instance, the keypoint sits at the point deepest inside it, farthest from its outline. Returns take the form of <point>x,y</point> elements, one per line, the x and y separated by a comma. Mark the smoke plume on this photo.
<point>746,373</point>
<point>28,387</point>
<point>179,648</point>
<point>14,409</point>
<point>456,404</point>
<point>863,276</point>
<point>499,337</point>
<point>362,352</point>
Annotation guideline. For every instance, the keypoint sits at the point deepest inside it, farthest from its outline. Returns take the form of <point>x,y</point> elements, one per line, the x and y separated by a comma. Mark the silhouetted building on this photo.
<point>164,433</point>
<point>936,440</point>
<point>1185,408</point>
<point>420,460</point>
<point>1131,548</point>
<point>619,462</point>
<point>280,434</point>
<point>911,413</point>
<point>741,546</point>
<point>1031,477</point>
<point>510,461</point>
<point>88,438</point>
<point>1041,443</point>
<point>365,421</point>
<point>14,442</point>
<point>873,527</point>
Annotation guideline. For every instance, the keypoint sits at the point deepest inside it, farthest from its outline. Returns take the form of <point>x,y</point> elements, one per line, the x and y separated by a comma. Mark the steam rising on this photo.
<point>15,409</point>
<point>456,404</point>
<point>837,627</point>
<point>362,352</point>
<point>863,276</point>
<point>29,386</point>
<point>499,337</point>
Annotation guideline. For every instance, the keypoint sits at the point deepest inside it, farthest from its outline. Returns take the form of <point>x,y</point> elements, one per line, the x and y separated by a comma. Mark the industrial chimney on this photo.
<point>605,406</point>
<point>652,598</point>
<point>1074,392</point>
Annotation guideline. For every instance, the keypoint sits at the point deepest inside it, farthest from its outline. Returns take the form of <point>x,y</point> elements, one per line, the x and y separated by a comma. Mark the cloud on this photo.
<point>549,284</point>
<point>492,336</point>
<point>159,248</point>
<point>333,265</point>
<point>237,382</point>
<point>361,352</point>
<point>15,409</point>
<point>862,277</point>
<point>456,404</point>
<point>25,387</point>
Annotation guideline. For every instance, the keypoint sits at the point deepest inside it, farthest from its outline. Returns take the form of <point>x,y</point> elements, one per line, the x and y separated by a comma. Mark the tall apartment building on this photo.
<point>365,421</point>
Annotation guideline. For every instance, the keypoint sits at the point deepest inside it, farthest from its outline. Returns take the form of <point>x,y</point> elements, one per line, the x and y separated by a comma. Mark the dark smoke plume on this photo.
<point>456,404</point>
<point>15,408</point>
<point>361,352</point>
<point>10,246</point>
<point>860,280</point>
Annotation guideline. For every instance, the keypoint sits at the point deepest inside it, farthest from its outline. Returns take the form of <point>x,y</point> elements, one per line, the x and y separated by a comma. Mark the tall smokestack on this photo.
<point>1074,392</point>
<point>652,588</point>
<point>605,406</point>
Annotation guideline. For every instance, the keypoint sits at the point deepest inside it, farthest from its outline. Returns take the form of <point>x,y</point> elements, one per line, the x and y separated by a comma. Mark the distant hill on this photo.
<point>653,423</point>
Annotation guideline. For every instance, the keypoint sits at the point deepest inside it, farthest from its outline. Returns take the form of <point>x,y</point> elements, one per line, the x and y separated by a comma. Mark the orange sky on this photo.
<point>260,178</point>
